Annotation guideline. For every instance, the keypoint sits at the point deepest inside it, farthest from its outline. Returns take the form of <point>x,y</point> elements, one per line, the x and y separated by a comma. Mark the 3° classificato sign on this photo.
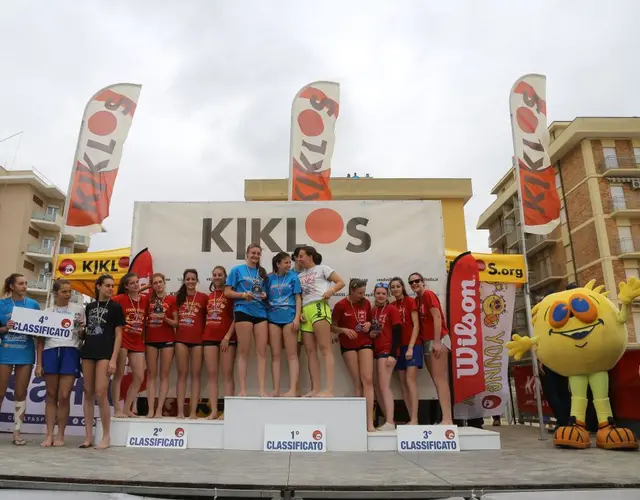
<point>428,438</point>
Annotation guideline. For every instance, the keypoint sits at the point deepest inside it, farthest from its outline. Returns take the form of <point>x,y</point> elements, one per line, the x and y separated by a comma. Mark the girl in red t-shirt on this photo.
<point>436,342</point>
<point>162,319</point>
<point>386,330</point>
<point>135,307</point>
<point>219,340</point>
<point>192,309</point>
<point>410,357</point>
<point>352,322</point>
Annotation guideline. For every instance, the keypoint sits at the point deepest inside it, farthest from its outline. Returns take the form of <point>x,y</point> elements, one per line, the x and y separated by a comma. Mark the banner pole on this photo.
<point>67,201</point>
<point>527,301</point>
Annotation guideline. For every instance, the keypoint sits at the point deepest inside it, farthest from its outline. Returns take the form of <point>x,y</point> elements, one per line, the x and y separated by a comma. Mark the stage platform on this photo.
<point>523,464</point>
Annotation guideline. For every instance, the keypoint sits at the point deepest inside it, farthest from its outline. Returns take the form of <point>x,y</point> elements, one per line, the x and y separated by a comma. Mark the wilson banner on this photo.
<point>314,114</point>
<point>463,309</point>
<point>103,132</point>
<point>540,203</point>
<point>497,306</point>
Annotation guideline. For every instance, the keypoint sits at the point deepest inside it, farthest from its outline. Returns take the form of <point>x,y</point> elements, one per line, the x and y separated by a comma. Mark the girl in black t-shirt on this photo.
<point>104,319</point>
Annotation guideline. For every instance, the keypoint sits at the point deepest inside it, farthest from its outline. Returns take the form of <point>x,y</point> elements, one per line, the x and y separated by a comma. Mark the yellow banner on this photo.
<point>83,269</point>
<point>496,267</point>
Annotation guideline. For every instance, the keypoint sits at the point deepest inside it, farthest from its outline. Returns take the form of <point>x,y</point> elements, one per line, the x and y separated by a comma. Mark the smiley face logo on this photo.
<point>450,434</point>
<point>65,323</point>
<point>179,432</point>
<point>317,434</point>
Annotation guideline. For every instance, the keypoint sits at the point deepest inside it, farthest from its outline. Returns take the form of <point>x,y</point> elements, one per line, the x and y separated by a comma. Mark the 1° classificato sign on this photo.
<point>42,324</point>
<point>295,438</point>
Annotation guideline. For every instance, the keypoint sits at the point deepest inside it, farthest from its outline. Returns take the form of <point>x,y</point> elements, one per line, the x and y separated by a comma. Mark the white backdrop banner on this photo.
<point>498,302</point>
<point>373,240</point>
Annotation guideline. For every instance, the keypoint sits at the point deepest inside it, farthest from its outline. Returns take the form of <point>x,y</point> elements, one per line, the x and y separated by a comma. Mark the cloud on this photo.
<point>424,86</point>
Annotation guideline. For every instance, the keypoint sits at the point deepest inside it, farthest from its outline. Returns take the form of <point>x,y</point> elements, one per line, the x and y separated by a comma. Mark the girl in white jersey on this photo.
<point>60,363</point>
<point>319,283</point>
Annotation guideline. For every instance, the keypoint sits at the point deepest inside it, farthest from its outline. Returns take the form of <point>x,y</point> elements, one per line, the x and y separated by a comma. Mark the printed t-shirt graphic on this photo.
<point>405,307</point>
<point>242,279</point>
<point>157,329</point>
<point>281,294</point>
<point>382,321</point>
<point>16,348</point>
<point>352,316</point>
<point>191,318</point>
<point>219,317</point>
<point>314,282</point>
<point>135,312</point>
<point>102,319</point>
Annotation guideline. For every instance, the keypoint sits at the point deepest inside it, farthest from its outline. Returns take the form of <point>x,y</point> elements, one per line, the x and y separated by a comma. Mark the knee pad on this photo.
<point>18,414</point>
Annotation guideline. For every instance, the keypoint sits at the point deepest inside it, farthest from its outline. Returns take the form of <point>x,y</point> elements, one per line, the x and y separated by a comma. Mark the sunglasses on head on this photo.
<point>415,282</point>
<point>382,285</point>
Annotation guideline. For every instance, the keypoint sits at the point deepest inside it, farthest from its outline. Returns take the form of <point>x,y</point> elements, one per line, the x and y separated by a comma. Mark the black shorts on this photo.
<point>383,355</point>
<point>188,344</point>
<point>216,343</point>
<point>279,325</point>
<point>356,349</point>
<point>160,345</point>
<point>240,317</point>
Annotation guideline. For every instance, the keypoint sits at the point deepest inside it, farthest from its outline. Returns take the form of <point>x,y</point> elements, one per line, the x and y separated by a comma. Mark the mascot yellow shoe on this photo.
<point>580,334</point>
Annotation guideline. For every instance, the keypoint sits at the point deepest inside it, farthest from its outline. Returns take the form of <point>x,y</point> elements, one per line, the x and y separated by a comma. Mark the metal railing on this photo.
<point>624,203</point>
<point>548,270</point>
<point>612,162</point>
<point>65,250</point>
<point>80,239</point>
<point>39,284</point>
<point>625,245</point>
<point>44,216</point>
<point>36,248</point>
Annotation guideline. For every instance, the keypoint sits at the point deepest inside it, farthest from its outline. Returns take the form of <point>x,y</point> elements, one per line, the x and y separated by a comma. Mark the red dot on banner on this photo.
<point>324,225</point>
<point>102,123</point>
<point>527,120</point>
<point>310,123</point>
<point>123,263</point>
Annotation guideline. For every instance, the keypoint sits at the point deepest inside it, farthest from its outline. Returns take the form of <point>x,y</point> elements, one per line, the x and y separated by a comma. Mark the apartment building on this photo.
<point>597,163</point>
<point>30,222</point>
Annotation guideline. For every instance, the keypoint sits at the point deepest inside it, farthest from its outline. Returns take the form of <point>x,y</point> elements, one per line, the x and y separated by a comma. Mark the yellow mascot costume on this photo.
<point>580,334</point>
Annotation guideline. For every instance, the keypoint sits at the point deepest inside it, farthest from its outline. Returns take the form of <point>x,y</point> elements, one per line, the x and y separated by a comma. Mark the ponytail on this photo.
<point>122,286</point>
<point>261,270</point>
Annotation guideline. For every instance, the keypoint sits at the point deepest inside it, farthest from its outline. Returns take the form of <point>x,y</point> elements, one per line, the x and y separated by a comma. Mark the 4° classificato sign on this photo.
<point>41,324</point>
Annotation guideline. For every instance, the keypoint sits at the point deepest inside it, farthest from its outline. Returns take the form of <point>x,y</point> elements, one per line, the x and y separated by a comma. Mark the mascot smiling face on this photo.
<point>581,334</point>
<point>578,332</point>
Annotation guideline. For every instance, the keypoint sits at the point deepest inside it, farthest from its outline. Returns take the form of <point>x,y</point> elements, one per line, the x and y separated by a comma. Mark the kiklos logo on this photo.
<point>179,432</point>
<point>450,434</point>
<point>67,267</point>
<point>65,323</point>
<point>317,434</point>
<point>322,226</point>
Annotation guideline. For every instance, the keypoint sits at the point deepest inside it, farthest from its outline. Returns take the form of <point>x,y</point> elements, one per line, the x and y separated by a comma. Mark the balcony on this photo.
<point>545,274</point>
<point>46,221</point>
<point>619,166</point>
<point>38,287</point>
<point>536,243</point>
<point>39,253</point>
<point>626,248</point>
<point>81,242</point>
<point>65,250</point>
<point>624,207</point>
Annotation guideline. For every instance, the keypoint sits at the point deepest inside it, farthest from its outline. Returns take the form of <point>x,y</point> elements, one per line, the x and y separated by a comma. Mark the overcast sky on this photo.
<point>424,87</point>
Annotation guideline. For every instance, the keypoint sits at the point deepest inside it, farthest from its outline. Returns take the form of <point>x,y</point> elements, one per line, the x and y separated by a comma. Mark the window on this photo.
<point>626,242</point>
<point>38,201</point>
<point>34,233</point>
<point>48,243</point>
<point>631,273</point>
<point>610,157</point>
<point>636,153</point>
<point>52,210</point>
<point>28,265</point>
<point>617,198</point>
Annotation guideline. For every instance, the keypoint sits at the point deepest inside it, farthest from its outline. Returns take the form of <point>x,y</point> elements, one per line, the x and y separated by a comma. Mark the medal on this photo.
<point>358,327</point>
<point>158,309</point>
<point>256,287</point>
<point>97,330</point>
<point>214,316</point>
<point>375,326</point>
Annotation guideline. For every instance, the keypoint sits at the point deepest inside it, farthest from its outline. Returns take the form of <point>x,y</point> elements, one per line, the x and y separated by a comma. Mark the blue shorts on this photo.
<point>403,363</point>
<point>61,361</point>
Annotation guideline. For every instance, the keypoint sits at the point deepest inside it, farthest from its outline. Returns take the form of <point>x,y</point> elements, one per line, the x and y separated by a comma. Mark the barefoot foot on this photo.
<point>158,414</point>
<point>119,414</point>
<point>290,394</point>
<point>130,414</point>
<point>104,444</point>
<point>324,394</point>
<point>59,441</point>
<point>48,441</point>
<point>311,394</point>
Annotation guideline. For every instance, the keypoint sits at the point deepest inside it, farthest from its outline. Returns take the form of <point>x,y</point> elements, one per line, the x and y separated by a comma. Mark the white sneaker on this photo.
<point>387,427</point>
